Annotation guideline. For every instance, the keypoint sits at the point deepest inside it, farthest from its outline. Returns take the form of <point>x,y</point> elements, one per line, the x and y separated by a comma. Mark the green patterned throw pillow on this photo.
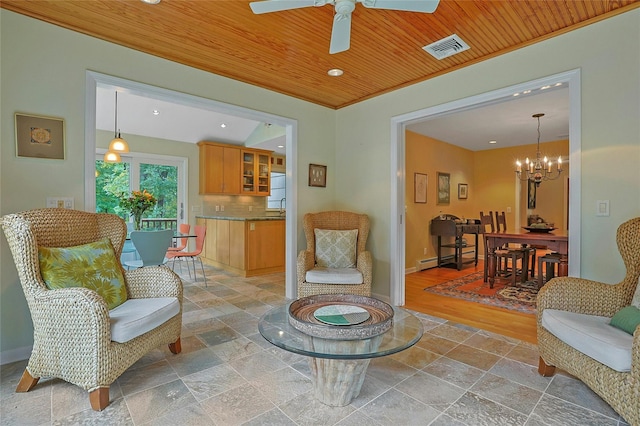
<point>336,249</point>
<point>93,266</point>
<point>626,319</point>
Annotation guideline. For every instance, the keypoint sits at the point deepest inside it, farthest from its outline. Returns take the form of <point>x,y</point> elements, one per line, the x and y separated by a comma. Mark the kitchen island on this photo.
<point>248,246</point>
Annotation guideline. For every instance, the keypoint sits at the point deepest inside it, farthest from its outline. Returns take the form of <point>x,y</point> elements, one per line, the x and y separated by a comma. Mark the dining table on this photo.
<point>557,241</point>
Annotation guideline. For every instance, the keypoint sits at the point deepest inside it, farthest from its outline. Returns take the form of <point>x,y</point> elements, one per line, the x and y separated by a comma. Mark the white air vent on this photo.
<point>446,47</point>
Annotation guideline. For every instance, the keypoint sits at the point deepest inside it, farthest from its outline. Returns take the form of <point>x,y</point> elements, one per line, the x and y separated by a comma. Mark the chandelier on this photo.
<point>540,168</point>
<point>117,144</point>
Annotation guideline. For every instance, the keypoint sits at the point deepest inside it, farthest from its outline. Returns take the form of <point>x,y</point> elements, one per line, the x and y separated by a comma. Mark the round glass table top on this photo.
<point>404,333</point>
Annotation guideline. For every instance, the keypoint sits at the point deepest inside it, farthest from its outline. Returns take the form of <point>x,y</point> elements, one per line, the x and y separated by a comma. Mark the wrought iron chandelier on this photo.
<point>540,169</point>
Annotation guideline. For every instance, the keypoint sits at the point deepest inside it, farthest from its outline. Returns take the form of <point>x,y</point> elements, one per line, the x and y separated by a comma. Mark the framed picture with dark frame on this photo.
<point>420,188</point>
<point>444,188</point>
<point>317,175</point>
<point>39,136</point>
<point>463,189</point>
<point>531,194</point>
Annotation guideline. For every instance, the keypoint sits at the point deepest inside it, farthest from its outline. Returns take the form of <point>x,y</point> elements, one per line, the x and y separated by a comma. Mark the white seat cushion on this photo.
<point>592,335</point>
<point>137,316</point>
<point>334,276</point>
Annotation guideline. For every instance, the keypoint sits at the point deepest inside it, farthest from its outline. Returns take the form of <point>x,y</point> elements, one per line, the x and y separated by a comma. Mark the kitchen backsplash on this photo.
<point>234,206</point>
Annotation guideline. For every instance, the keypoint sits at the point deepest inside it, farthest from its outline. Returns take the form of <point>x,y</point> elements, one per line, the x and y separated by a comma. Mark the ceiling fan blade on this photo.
<point>278,5</point>
<point>425,6</point>
<point>341,33</point>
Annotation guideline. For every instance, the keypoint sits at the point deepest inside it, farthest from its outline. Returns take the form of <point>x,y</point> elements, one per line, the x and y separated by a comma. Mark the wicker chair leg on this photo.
<point>175,347</point>
<point>99,398</point>
<point>544,369</point>
<point>27,382</point>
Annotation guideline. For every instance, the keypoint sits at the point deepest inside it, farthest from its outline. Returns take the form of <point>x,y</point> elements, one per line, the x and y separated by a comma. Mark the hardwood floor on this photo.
<point>502,321</point>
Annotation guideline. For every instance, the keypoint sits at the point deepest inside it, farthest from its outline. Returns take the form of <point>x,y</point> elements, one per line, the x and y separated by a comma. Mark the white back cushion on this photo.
<point>336,249</point>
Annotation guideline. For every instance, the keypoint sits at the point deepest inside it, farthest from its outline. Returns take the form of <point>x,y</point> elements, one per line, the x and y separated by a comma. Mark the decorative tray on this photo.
<point>340,316</point>
<point>541,230</point>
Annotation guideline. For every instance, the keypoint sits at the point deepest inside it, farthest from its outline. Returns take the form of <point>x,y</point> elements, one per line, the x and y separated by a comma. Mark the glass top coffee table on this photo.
<point>339,365</point>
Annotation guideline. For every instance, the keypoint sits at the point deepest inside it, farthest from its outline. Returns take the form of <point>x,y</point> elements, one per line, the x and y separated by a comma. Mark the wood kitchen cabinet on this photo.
<point>219,168</point>
<point>246,247</point>
<point>229,169</point>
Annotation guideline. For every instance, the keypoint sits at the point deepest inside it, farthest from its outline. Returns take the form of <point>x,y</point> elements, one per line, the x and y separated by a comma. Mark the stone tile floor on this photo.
<point>227,374</point>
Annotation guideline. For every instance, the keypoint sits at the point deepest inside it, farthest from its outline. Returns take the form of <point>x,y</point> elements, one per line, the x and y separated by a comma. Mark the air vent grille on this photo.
<point>446,47</point>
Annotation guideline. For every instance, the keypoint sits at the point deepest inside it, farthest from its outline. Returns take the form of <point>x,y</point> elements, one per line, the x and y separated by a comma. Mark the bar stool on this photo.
<point>550,260</point>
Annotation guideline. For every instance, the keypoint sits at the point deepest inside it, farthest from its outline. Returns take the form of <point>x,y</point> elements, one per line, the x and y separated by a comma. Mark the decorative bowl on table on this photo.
<point>540,229</point>
<point>340,316</point>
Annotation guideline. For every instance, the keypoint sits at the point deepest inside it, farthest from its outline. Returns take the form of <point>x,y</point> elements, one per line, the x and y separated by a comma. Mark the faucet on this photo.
<point>282,200</point>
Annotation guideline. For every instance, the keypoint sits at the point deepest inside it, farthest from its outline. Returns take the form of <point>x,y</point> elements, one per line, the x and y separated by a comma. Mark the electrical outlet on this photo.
<point>217,208</point>
<point>60,202</point>
<point>425,251</point>
<point>221,208</point>
<point>250,208</point>
<point>508,209</point>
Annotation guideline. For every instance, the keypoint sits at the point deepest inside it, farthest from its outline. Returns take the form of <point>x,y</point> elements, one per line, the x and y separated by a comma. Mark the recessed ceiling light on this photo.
<point>223,125</point>
<point>280,146</point>
<point>493,142</point>
<point>151,1</point>
<point>527,92</point>
<point>545,87</point>
<point>558,84</point>
<point>156,112</point>
<point>516,94</point>
<point>335,72</point>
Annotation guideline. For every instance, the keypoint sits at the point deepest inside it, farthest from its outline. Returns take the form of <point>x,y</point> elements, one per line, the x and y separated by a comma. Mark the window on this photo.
<point>278,191</point>
<point>161,177</point>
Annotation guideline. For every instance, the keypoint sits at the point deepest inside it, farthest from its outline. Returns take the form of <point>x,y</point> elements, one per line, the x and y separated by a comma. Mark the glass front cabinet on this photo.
<point>256,172</point>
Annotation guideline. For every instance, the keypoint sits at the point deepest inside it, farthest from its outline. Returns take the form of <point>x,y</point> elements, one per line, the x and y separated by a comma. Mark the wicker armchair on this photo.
<point>621,390</point>
<point>72,334</point>
<point>335,220</point>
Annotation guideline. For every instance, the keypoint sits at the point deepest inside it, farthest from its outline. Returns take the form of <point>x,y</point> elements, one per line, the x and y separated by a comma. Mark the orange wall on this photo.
<point>491,187</point>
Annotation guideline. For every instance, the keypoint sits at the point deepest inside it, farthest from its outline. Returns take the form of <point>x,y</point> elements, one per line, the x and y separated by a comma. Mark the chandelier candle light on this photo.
<point>541,168</point>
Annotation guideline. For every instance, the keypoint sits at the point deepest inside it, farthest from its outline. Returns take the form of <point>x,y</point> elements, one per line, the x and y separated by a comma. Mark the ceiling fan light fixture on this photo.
<point>335,72</point>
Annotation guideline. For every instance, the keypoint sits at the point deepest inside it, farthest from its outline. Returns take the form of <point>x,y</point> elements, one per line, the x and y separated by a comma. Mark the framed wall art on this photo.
<point>420,188</point>
<point>463,191</point>
<point>444,188</point>
<point>39,136</point>
<point>317,175</point>
<point>531,194</point>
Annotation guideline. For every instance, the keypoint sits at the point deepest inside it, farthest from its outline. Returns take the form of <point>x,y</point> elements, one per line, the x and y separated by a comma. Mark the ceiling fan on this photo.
<point>341,33</point>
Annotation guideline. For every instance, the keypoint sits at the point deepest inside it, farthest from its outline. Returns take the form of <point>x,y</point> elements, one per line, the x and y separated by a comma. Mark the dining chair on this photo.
<point>184,229</point>
<point>151,246</point>
<point>526,254</point>
<point>200,232</point>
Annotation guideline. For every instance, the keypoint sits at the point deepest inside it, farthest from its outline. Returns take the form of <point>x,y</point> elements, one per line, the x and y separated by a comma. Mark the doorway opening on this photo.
<point>94,79</point>
<point>398,175</point>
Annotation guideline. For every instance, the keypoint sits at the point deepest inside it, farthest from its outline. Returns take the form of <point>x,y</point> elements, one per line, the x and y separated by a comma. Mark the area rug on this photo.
<point>521,297</point>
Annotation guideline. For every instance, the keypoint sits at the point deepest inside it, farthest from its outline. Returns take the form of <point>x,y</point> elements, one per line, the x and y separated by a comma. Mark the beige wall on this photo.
<point>354,142</point>
<point>491,187</point>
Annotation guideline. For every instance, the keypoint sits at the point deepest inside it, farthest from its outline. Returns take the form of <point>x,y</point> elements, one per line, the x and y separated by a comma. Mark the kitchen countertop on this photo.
<point>251,218</point>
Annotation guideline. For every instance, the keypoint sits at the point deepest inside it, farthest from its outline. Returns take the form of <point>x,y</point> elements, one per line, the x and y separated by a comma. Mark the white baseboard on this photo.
<point>13,355</point>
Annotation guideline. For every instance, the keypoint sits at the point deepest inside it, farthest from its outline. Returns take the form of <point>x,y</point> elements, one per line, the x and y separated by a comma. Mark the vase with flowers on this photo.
<point>136,204</point>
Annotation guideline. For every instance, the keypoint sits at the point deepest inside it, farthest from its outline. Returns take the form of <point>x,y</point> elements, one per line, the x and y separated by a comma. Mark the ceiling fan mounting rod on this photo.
<point>345,7</point>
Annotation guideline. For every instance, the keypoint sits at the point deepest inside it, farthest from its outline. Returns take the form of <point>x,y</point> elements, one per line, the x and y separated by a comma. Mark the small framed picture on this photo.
<point>317,175</point>
<point>462,191</point>
<point>444,188</point>
<point>420,188</point>
<point>39,136</point>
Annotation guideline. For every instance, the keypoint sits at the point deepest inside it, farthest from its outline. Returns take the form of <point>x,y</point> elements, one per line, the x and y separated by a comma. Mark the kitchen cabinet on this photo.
<point>256,172</point>
<point>229,169</point>
<point>245,246</point>
<point>219,168</point>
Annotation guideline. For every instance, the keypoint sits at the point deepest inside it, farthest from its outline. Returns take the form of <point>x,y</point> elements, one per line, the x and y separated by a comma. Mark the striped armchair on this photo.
<point>585,307</point>
<point>317,280</point>
<point>72,329</point>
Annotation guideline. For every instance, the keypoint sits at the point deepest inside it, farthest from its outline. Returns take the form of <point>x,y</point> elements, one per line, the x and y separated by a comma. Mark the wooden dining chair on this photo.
<point>514,252</point>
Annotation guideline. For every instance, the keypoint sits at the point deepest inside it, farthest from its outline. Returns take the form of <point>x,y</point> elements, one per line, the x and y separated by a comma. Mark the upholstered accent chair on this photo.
<point>77,338</point>
<point>576,329</point>
<point>335,260</point>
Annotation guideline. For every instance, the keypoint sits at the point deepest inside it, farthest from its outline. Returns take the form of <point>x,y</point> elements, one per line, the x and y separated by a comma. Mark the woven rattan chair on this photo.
<point>334,220</point>
<point>72,334</point>
<point>621,390</point>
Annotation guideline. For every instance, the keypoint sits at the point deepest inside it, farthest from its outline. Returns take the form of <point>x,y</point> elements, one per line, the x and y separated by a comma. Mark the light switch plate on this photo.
<point>602,208</point>
<point>61,202</point>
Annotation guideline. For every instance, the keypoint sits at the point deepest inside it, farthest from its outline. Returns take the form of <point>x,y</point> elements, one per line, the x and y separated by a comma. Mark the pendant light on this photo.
<point>118,144</point>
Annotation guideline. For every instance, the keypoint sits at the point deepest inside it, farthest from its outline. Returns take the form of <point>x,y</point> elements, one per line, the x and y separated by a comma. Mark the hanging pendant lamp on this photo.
<point>117,145</point>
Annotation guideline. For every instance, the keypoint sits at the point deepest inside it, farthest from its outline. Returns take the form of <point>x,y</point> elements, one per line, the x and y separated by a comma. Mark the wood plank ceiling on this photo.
<point>288,52</point>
